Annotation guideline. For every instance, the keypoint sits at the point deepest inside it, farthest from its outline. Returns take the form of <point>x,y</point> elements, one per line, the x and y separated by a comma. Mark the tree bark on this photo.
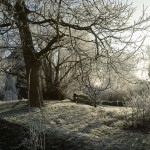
<point>35,85</point>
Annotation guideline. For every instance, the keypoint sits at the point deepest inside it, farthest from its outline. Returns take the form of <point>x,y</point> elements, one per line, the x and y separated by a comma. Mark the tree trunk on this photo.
<point>35,86</point>
<point>32,64</point>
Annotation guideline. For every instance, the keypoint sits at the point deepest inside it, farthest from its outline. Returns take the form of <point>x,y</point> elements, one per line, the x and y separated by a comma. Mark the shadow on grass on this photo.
<point>15,110</point>
<point>12,137</point>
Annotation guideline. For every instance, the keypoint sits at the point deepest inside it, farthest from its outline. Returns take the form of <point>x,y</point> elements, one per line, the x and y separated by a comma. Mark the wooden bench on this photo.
<point>113,103</point>
<point>79,98</point>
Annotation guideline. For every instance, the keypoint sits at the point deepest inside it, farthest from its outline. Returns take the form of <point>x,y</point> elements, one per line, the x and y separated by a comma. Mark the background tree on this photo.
<point>59,71</point>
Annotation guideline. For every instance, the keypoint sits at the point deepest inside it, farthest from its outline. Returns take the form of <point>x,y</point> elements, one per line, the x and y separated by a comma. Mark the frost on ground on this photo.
<point>82,125</point>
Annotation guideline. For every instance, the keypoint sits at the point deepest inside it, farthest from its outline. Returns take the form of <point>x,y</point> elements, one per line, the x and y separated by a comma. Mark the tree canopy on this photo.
<point>98,32</point>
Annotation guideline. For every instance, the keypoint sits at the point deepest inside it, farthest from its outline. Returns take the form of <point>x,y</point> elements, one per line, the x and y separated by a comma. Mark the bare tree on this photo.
<point>103,22</point>
<point>59,71</point>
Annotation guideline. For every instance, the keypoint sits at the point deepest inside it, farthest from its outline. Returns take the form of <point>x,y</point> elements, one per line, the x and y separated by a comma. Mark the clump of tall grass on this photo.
<point>36,140</point>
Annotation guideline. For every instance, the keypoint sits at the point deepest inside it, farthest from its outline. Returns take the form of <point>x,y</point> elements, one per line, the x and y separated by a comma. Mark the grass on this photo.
<point>79,126</point>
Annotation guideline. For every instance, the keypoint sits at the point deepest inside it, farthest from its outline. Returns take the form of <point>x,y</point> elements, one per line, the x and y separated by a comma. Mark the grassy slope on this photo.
<point>78,126</point>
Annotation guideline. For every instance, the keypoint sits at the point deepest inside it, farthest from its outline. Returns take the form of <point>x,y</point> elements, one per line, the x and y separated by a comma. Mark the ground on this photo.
<point>68,126</point>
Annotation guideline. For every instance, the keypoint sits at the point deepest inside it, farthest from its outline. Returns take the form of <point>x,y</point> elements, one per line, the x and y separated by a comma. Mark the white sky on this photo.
<point>140,4</point>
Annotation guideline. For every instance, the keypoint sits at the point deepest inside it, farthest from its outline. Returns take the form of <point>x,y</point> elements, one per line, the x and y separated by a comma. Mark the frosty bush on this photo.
<point>37,134</point>
<point>137,114</point>
<point>37,137</point>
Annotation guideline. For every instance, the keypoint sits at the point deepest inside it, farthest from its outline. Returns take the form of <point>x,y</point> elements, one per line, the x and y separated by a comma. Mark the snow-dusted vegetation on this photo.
<point>74,75</point>
<point>81,125</point>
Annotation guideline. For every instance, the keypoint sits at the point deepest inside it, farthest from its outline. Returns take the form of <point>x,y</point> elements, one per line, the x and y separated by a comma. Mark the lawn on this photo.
<point>69,126</point>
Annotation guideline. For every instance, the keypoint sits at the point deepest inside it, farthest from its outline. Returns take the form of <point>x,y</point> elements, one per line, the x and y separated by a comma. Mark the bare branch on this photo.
<point>49,45</point>
<point>5,25</point>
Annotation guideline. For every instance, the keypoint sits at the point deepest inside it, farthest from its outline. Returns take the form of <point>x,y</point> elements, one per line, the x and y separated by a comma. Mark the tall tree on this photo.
<point>60,19</point>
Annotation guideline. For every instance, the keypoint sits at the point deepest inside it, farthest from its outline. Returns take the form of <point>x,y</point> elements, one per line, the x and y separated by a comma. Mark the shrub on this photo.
<point>137,114</point>
<point>118,96</point>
